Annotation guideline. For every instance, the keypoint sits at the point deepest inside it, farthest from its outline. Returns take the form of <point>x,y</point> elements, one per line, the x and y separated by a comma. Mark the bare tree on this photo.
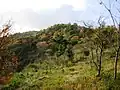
<point>96,38</point>
<point>117,31</point>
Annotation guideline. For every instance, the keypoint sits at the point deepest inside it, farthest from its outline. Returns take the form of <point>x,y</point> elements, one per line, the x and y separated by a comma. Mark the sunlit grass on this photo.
<point>48,75</point>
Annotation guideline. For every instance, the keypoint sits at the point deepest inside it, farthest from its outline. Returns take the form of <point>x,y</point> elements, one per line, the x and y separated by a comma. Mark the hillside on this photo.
<point>65,56</point>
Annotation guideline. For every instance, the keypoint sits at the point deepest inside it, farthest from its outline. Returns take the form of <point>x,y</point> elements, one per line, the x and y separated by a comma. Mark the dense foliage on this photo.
<point>63,47</point>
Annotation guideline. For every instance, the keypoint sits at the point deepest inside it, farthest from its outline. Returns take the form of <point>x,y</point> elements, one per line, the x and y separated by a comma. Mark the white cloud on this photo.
<point>30,20</point>
<point>34,14</point>
<point>36,5</point>
<point>17,28</point>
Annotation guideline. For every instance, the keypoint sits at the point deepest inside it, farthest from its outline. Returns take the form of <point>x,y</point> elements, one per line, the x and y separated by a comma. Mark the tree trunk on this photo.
<point>92,57</point>
<point>116,62</point>
<point>97,56</point>
<point>100,62</point>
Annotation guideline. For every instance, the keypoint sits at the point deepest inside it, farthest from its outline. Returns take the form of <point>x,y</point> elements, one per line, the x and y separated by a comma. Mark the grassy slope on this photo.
<point>80,76</point>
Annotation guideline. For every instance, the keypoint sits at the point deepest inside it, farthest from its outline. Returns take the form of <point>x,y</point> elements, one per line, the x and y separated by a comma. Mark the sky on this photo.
<point>38,14</point>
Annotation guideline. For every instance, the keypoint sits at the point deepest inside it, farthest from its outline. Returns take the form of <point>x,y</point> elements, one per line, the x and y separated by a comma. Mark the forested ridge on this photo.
<point>62,56</point>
